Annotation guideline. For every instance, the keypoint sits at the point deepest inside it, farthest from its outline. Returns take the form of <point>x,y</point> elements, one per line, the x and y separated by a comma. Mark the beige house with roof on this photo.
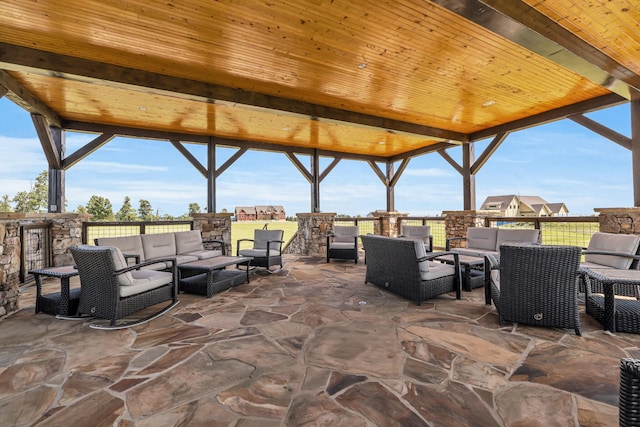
<point>514,205</point>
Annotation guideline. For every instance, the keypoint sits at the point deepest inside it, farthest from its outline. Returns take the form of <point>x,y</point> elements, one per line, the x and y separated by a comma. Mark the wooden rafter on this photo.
<point>47,141</point>
<point>21,96</point>
<point>602,130</point>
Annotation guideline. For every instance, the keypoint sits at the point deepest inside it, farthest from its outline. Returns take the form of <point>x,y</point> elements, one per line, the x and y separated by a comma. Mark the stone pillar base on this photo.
<point>214,226</point>
<point>311,238</point>
<point>619,220</point>
<point>388,225</point>
<point>457,222</point>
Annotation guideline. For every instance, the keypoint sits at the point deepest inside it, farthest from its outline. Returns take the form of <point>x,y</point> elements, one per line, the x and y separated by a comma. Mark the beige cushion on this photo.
<point>609,242</point>
<point>423,266</point>
<point>125,279</point>
<point>517,236</point>
<point>345,234</point>
<point>188,241</point>
<point>420,232</point>
<point>482,238</point>
<point>145,280</point>
<point>161,245</point>
<point>205,253</point>
<point>262,237</point>
<point>258,253</point>
<point>474,252</point>
<point>130,245</point>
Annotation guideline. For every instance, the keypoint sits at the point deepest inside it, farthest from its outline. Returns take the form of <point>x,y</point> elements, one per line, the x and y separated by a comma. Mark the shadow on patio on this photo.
<point>312,345</point>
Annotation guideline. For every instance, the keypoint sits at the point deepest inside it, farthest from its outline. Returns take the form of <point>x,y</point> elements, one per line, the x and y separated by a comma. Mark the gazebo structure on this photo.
<point>347,79</point>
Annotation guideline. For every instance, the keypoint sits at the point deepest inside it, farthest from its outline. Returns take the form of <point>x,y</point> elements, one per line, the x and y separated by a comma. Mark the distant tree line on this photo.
<point>36,200</point>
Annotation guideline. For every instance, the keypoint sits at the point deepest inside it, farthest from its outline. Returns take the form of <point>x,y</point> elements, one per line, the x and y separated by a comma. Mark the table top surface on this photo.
<point>214,263</point>
<point>62,271</point>
<point>463,259</point>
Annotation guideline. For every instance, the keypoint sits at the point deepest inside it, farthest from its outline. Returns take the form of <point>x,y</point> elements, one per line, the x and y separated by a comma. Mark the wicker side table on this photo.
<point>65,302</point>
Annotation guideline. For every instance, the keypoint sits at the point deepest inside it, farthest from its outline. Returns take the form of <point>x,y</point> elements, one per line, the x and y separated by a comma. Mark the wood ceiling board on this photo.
<point>118,107</point>
<point>611,26</point>
<point>297,46</point>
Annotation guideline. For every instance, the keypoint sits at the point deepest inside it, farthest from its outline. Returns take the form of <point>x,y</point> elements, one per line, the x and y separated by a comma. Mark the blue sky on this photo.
<point>560,162</point>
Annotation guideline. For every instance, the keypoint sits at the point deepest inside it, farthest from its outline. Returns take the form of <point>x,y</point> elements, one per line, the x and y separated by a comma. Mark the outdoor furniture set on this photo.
<point>112,287</point>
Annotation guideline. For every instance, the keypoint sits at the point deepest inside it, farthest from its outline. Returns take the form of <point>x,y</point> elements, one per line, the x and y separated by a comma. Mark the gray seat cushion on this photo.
<point>482,238</point>
<point>129,245</point>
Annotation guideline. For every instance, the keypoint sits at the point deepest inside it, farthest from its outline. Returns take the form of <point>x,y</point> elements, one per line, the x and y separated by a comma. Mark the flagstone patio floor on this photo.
<point>312,345</point>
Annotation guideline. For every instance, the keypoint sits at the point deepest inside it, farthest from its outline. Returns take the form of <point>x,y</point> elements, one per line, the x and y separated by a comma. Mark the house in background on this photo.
<point>513,205</point>
<point>260,213</point>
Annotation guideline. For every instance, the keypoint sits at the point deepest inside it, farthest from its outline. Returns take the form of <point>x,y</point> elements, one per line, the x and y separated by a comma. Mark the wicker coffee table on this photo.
<point>210,276</point>
<point>472,270</point>
<point>618,309</point>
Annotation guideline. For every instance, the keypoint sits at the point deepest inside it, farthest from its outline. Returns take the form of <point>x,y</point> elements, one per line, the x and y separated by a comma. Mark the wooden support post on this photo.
<point>211,176</point>
<point>468,179</point>
<point>635,151</point>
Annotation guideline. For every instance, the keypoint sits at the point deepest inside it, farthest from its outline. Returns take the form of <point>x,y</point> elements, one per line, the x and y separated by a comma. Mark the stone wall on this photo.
<point>311,238</point>
<point>214,226</point>
<point>65,231</point>
<point>9,265</point>
<point>457,222</point>
<point>388,225</point>
<point>619,220</point>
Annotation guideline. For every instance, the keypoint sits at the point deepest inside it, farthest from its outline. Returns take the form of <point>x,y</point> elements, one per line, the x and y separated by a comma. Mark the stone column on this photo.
<point>66,231</point>
<point>311,238</point>
<point>214,226</point>
<point>457,222</point>
<point>619,220</point>
<point>9,264</point>
<point>388,224</point>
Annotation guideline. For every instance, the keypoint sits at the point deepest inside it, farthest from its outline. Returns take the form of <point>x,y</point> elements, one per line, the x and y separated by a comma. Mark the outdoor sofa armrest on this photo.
<point>240,241</point>
<point>433,255</point>
<point>219,242</point>
<point>135,257</point>
<point>490,263</point>
<point>636,257</point>
<point>451,239</point>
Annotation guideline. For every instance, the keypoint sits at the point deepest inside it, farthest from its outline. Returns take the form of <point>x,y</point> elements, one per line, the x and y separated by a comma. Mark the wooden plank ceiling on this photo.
<point>386,79</point>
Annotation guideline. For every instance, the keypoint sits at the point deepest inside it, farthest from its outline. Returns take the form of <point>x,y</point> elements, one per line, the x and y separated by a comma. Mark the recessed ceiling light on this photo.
<point>286,129</point>
<point>142,108</point>
<point>362,65</point>
<point>488,103</point>
<point>382,142</point>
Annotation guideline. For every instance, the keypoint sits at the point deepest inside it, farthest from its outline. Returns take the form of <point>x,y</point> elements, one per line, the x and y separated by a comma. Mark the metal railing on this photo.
<point>556,230</point>
<point>94,230</point>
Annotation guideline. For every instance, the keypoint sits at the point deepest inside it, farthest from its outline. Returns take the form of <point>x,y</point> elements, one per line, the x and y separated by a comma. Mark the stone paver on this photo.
<point>310,345</point>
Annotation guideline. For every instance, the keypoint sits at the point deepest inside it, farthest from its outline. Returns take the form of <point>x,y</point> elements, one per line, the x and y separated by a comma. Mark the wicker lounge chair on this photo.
<point>420,232</point>
<point>342,243</point>
<point>405,268</point>
<point>111,290</point>
<point>266,250</point>
<point>629,402</point>
<point>610,251</point>
<point>535,284</point>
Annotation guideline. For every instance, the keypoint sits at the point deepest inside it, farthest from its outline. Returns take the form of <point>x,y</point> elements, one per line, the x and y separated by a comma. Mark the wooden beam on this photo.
<point>231,160</point>
<point>390,190</point>
<point>525,26</point>
<point>3,91</point>
<point>47,141</point>
<point>468,179</point>
<point>302,168</point>
<point>203,139</point>
<point>24,59</point>
<point>329,168</point>
<point>211,175</point>
<point>450,160</point>
<point>609,100</point>
<point>488,152</point>
<point>602,130</point>
<point>425,150</point>
<point>190,157</point>
<point>398,173</point>
<point>85,150</point>
<point>21,96</point>
<point>379,173</point>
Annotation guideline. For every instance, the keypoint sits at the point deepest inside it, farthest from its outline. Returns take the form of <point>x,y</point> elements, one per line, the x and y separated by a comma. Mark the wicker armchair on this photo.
<point>266,250</point>
<point>535,284</point>
<point>342,243</point>
<point>405,268</point>
<point>629,402</point>
<point>112,290</point>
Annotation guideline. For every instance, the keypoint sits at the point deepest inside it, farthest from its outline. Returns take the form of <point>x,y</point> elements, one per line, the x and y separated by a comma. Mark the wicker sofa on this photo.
<point>405,268</point>
<point>483,241</point>
<point>184,246</point>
